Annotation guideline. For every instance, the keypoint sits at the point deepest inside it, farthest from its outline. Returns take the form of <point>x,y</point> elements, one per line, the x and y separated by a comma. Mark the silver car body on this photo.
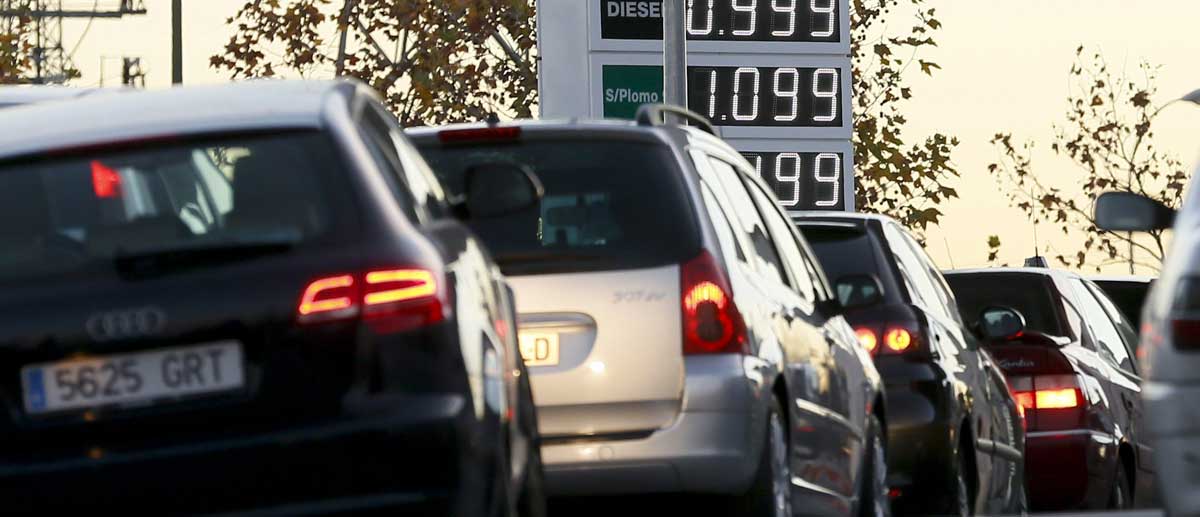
<point>625,411</point>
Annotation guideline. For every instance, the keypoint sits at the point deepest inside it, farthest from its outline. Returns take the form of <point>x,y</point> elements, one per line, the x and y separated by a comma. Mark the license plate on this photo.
<point>149,377</point>
<point>539,348</point>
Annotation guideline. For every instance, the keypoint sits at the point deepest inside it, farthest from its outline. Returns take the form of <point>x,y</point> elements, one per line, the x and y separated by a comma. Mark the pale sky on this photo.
<point>1004,68</point>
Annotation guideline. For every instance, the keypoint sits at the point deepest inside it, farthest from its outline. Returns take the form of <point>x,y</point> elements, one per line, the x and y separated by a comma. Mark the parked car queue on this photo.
<point>267,296</point>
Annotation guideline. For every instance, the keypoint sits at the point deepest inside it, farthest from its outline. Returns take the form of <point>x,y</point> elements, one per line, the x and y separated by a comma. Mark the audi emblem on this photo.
<point>126,324</point>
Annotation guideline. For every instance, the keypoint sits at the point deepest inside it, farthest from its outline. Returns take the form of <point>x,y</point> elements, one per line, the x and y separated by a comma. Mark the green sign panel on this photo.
<point>628,87</point>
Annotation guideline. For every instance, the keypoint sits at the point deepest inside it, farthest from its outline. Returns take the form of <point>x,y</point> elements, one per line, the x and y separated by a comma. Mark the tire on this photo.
<point>959,502</point>
<point>531,502</point>
<point>1121,497</point>
<point>770,493</point>
<point>873,498</point>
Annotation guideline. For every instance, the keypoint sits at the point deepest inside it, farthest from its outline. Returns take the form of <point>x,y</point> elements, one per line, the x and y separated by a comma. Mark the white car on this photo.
<point>28,94</point>
<point>1170,341</point>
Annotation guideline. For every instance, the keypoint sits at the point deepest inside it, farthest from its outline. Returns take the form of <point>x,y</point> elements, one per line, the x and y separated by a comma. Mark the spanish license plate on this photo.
<point>150,377</point>
<point>539,348</point>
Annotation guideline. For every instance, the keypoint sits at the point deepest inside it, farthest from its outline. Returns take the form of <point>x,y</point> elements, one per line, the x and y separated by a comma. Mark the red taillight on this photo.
<point>1049,402</point>
<point>106,182</point>
<point>456,136</point>
<point>898,339</point>
<point>867,338</point>
<point>329,297</point>
<point>393,300</point>
<point>711,321</point>
<point>1185,334</point>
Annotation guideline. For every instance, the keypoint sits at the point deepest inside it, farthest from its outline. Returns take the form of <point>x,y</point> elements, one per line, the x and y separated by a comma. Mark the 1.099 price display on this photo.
<point>766,96</point>
<point>802,181</point>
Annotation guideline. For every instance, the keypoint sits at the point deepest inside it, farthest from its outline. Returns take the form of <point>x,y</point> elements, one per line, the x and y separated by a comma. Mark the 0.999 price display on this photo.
<point>763,20</point>
<point>766,96</point>
<point>802,181</point>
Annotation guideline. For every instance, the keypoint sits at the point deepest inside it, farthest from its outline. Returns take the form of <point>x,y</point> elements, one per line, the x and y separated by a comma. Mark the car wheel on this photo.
<point>531,501</point>
<point>770,495</point>
<point>1120,498</point>
<point>960,498</point>
<point>873,495</point>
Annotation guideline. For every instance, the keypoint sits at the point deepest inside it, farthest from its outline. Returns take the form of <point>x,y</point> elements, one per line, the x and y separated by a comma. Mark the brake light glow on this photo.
<point>898,339</point>
<point>106,182</point>
<point>392,300</point>
<point>866,338</point>
<point>404,284</point>
<point>711,321</point>
<point>1057,399</point>
<point>329,294</point>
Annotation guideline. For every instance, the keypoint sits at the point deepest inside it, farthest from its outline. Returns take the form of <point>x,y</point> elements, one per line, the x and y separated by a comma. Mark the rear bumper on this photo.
<point>712,446</point>
<point>406,455</point>
<point>1173,420</point>
<point>920,440</point>
<point>1069,469</point>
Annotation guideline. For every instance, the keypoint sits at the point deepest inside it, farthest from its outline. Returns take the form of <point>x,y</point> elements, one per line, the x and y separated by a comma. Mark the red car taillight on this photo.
<point>393,300</point>
<point>1049,402</point>
<point>711,321</point>
<point>106,182</point>
<point>889,339</point>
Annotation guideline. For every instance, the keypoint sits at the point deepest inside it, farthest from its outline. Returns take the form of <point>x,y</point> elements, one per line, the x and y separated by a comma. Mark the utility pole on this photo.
<point>176,41</point>
<point>674,53</point>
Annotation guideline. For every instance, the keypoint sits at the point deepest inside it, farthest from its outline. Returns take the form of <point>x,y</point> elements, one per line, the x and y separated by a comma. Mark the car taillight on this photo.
<point>1185,333</point>
<point>898,339</point>
<point>711,321</point>
<point>1049,402</point>
<point>867,338</point>
<point>106,182</point>
<point>392,300</point>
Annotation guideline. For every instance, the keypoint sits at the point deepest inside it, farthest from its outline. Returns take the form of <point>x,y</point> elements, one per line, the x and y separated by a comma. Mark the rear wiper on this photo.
<point>150,263</point>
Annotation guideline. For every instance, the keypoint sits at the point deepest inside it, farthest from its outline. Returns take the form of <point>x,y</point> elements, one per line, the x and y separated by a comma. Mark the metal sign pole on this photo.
<point>674,53</point>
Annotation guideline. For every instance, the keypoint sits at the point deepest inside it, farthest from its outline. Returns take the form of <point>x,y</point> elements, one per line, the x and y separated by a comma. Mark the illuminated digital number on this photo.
<point>708,17</point>
<point>834,180</point>
<point>712,94</point>
<point>737,94</point>
<point>831,94</point>
<point>782,94</point>
<point>789,174</point>
<point>756,159</point>
<point>790,11</point>
<point>830,12</point>
<point>749,10</point>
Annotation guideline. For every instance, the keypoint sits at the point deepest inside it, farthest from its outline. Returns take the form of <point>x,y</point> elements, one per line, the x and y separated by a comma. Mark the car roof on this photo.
<point>29,94</point>
<point>817,216</point>
<point>189,110</point>
<point>1060,273</point>
<point>1131,279</point>
<point>565,127</point>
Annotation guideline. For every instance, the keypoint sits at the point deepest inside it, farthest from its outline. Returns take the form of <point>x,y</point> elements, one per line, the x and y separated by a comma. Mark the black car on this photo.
<point>956,428</point>
<point>1128,293</point>
<point>250,297</point>
<point>694,344</point>
<point>1070,361</point>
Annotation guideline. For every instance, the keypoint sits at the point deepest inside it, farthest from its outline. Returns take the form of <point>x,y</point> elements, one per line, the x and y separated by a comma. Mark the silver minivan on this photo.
<point>679,334</point>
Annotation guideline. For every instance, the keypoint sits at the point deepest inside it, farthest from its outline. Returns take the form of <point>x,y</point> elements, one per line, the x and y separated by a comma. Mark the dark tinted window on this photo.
<point>1104,331</point>
<point>785,240</point>
<point>1128,296</point>
<point>844,251</point>
<point>1029,294</point>
<point>87,211</point>
<point>768,262</point>
<point>607,205</point>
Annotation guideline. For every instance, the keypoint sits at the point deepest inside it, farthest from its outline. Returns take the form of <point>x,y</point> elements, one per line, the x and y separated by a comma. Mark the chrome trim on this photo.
<point>1096,435</point>
<point>798,481</point>
<point>825,413</point>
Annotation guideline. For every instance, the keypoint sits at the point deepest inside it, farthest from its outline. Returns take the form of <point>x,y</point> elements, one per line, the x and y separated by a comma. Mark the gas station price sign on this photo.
<point>772,75</point>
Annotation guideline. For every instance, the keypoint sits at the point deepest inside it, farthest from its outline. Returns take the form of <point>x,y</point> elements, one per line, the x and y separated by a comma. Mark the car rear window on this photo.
<point>847,250</point>
<point>1030,294</point>
<point>1128,296</point>
<point>85,211</point>
<point>607,205</point>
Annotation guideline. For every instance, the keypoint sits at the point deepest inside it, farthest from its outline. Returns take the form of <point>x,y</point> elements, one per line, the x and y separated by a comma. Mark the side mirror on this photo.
<point>1001,323</point>
<point>857,291</point>
<point>497,189</point>
<point>1128,212</point>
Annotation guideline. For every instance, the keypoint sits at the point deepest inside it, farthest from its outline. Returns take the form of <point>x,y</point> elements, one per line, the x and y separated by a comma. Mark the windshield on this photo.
<point>1029,294</point>
<point>64,215</point>
<point>607,205</point>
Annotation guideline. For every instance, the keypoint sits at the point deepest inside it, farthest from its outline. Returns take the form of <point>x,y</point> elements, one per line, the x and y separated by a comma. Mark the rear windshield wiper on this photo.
<point>150,263</point>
